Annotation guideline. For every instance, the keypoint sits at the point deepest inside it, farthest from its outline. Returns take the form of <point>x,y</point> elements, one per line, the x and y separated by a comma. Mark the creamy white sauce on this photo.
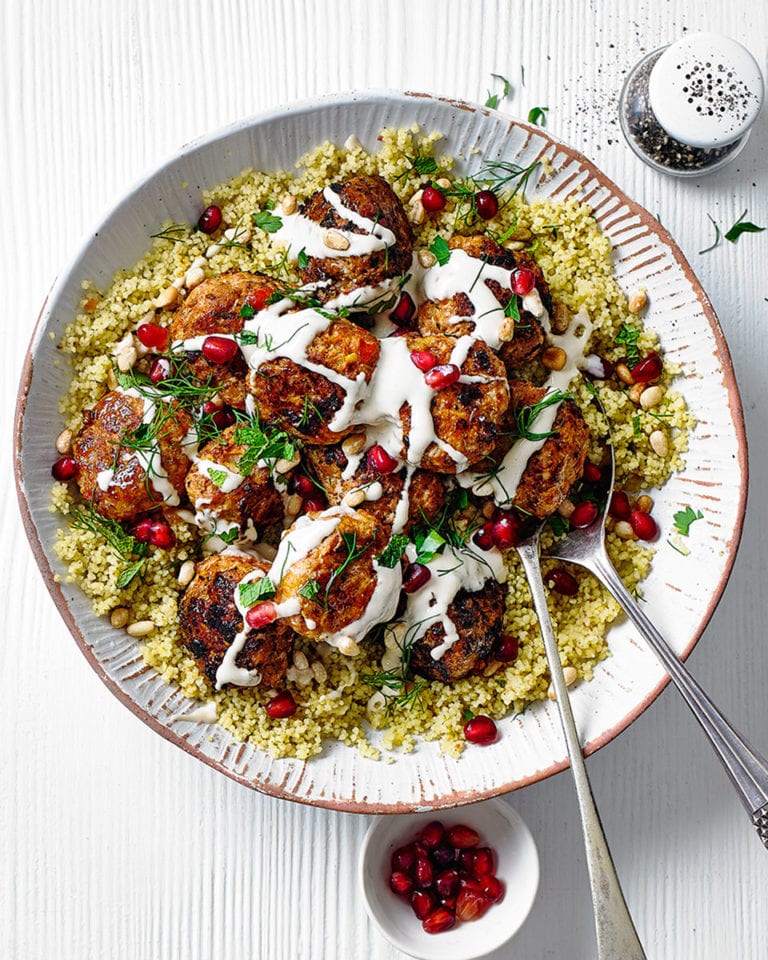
<point>149,458</point>
<point>232,480</point>
<point>207,713</point>
<point>228,671</point>
<point>104,479</point>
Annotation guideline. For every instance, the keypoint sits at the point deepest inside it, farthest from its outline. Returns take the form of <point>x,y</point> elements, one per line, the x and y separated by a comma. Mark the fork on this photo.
<point>747,769</point>
<point>616,936</point>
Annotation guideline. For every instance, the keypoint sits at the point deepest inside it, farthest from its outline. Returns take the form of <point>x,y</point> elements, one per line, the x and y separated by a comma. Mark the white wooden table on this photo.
<point>113,844</point>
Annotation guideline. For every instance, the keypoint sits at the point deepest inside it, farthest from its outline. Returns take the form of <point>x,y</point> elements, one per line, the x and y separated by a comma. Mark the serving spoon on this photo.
<point>747,769</point>
<point>617,938</point>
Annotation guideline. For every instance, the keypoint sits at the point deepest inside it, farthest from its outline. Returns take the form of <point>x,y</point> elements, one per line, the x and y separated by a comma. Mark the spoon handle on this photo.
<point>617,938</point>
<point>747,769</point>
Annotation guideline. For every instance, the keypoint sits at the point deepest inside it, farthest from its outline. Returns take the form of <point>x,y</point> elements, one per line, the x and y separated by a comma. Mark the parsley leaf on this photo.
<point>441,250</point>
<point>742,226</point>
<point>251,593</point>
<point>393,551</point>
<point>538,116</point>
<point>267,221</point>
<point>628,336</point>
<point>684,518</point>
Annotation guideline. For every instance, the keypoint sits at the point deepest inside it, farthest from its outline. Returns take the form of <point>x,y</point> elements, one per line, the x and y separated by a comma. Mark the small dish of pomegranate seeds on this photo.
<point>452,885</point>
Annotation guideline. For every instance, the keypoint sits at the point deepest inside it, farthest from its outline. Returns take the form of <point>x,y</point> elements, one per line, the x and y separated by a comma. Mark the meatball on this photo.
<point>303,401</point>
<point>456,315</point>
<point>425,492</point>
<point>215,306</point>
<point>372,198</point>
<point>249,502</point>
<point>477,618</point>
<point>334,582</point>
<point>209,621</point>
<point>126,466</point>
<point>466,416</point>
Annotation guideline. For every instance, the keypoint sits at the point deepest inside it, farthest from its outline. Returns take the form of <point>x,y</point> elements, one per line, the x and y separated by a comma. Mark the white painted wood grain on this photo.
<point>112,843</point>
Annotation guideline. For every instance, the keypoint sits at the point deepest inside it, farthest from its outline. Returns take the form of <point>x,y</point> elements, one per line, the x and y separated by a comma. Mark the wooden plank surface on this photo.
<point>115,844</point>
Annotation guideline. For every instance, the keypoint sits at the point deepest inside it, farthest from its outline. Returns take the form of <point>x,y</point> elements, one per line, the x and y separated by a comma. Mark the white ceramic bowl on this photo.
<point>681,593</point>
<point>501,828</point>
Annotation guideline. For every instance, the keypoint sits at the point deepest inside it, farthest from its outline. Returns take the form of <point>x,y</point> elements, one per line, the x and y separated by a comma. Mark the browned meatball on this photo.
<point>439,316</point>
<point>426,491</point>
<point>215,307</point>
<point>466,416</point>
<point>253,502</point>
<point>209,621</point>
<point>372,198</point>
<point>304,401</point>
<point>335,580</point>
<point>119,467</point>
<point>477,618</point>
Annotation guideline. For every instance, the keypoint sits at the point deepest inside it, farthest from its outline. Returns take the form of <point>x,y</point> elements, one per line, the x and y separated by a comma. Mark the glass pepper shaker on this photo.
<point>686,109</point>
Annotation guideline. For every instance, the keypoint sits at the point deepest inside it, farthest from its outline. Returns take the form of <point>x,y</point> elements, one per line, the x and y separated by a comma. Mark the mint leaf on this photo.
<point>217,477</point>
<point>302,259</point>
<point>310,590</point>
<point>251,593</point>
<point>441,250</point>
<point>390,557</point>
<point>742,226</point>
<point>129,574</point>
<point>538,116</point>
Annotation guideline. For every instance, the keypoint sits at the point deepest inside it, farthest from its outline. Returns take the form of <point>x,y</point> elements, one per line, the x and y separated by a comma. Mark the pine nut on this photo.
<point>141,628</point>
<point>636,391</point>
<point>289,204</point>
<point>186,573</point>
<point>126,359</point>
<point>212,250</point>
<point>354,498</point>
<point>554,358</point>
<point>194,277</point>
<point>300,660</point>
<point>659,443</point>
<point>119,617</point>
<point>561,318</point>
<point>651,397</point>
<point>522,233</point>
<point>644,504</point>
<point>353,444</point>
<point>178,283</point>
<point>489,508</point>
<point>293,505</point>
<point>624,374</point>
<point>335,240</point>
<point>416,211</point>
<point>64,441</point>
<point>347,647</point>
<point>507,330</point>
<point>285,466</point>
<point>638,300</point>
<point>303,677</point>
<point>352,143</point>
<point>514,245</point>
<point>570,675</point>
<point>321,674</point>
<point>427,259</point>
<point>566,508</point>
<point>376,703</point>
<point>444,183</point>
<point>111,379</point>
<point>167,298</point>
<point>623,529</point>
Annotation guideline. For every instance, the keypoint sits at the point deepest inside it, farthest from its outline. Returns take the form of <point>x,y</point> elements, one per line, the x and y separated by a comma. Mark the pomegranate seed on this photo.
<point>313,505</point>
<point>486,204</point>
<point>442,376</point>
<point>563,582</point>
<point>258,299</point>
<point>210,406</point>
<point>224,418</point>
<point>481,730</point>
<point>404,858</point>
<point>446,883</point>
<point>507,648</point>
<point>152,336</point>
<point>433,200</point>
<point>423,359</point>
<point>64,469</point>
<point>400,883</point>
<point>482,862</point>
<point>404,311</point>
<point>592,473</point>
<point>415,577</point>
<point>367,350</point>
<point>505,531</point>
<point>434,833</point>
<point>380,461</point>
<point>523,281</point>
<point>281,705</point>
<point>597,368</point>
<point>160,369</point>
<point>493,889</point>
<point>463,837</point>
<point>423,872</point>
<point>161,535</point>
<point>210,219</point>
<point>423,903</point>
<point>644,525</point>
<point>302,485</point>
<point>261,615</point>
<point>443,854</point>
<point>584,514</point>
<point>648,369</point>
<point>142,530</point>
<point>471,904</point>
<point>484,536</point>
<point>619,507</point>
<point>219,349</point>
<point>439,920</point>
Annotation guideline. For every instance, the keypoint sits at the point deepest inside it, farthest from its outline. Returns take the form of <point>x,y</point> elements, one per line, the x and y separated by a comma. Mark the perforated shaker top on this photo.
<point>706,90</point>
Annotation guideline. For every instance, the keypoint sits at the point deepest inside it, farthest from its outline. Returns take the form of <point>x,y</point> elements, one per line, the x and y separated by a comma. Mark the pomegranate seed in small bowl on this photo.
<point>431,902</point>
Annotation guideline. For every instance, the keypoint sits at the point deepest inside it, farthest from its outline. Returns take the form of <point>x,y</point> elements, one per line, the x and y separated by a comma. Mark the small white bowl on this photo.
<point>501,828</point>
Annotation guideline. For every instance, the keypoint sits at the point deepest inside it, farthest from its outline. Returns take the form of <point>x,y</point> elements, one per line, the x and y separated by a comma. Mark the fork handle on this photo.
<point>747,769</point>
<point>617,938</point>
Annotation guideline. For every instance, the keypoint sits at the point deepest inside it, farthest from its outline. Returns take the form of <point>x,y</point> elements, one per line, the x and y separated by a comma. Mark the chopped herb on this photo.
<point>684,518</point>
<point>267,221</point>
<point>247,311</point>
<point>124,544</point>
<point>492,101</point>
<point>538,116</point>
<point>429,543</point>
<point>680,547</point>
<point>522,75</point>
<point>262,446</point>
<point>217,477</point>
<point>310,590</point>
<point>511,309</point>
<point>628,336</point>
<point>424,166</point>
<point>467,715</point>
<point>636,425</point>
<point>228,536</point>
<point>350,545</point>
<point>247,338</point>
<point>393,551</point>
<point>507,85</point>
<point>716,241</point>
<point>172,232</point>
<point>440,249</point>
<point>130,573</point>
<point>558,524</point>
<point>251,593</point>
<point>302,259</point>
<point>525,417</point>
<point>742,226</point>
